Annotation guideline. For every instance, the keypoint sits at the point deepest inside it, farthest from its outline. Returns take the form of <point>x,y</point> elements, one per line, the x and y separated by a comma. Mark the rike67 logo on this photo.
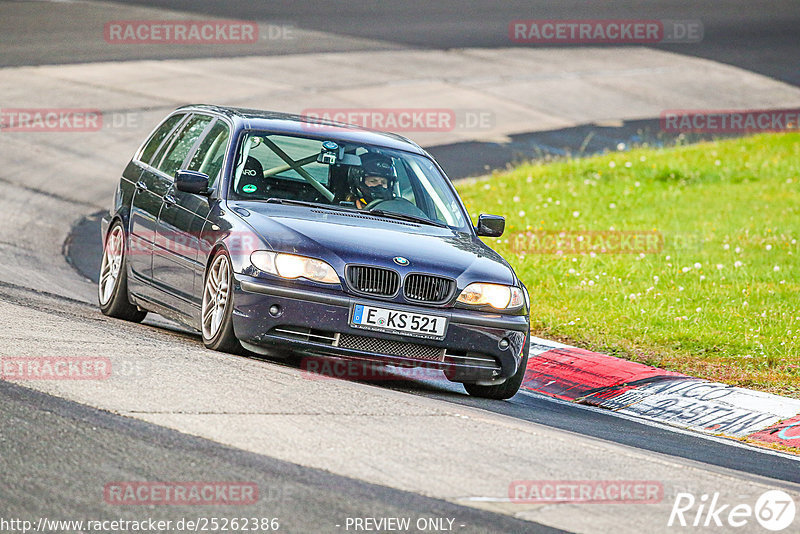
<point>774,510</point>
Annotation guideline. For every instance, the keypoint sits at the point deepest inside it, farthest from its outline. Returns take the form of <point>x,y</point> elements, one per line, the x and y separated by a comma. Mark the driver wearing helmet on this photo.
<point>373,180</point>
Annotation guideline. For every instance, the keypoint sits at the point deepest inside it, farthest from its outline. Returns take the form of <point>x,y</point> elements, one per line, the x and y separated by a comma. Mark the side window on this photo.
<point>210,154</point>
<point>183,143</point>
<point>158,136</point>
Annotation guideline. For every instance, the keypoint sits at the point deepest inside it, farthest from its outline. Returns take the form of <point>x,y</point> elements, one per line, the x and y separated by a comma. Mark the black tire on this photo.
<point>507,389</point>
<point>223,339</point>
<point>118,305</point>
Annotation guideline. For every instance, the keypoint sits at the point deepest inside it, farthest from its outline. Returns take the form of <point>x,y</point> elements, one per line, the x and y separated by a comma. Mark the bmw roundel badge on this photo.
<point>400,260</point>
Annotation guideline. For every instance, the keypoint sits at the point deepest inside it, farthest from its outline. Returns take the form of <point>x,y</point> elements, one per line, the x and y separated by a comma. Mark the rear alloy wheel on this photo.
<point>112,287</point>
<point>217,309</point>
<point>507,389</point>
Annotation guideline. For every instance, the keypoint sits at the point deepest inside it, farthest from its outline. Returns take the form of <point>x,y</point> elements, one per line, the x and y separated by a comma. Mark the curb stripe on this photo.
<point>638,390</point>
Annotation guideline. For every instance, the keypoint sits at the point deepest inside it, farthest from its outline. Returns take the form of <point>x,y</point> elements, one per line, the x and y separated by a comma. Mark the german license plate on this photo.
<point>398,322</point>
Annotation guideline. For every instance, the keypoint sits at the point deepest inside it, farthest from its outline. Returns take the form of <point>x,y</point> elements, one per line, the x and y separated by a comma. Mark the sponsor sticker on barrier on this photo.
<point>702,405</point>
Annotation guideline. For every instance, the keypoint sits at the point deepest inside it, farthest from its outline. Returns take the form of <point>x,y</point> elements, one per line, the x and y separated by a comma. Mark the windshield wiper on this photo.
<point>379,213</point>
<point>318,205</point>
<point>405,217</point>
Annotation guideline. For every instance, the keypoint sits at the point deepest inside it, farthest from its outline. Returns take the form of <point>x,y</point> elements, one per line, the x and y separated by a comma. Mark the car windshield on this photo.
<point>330,172</point>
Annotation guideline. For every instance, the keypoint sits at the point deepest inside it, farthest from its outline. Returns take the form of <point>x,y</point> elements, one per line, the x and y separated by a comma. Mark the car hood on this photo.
<point>342,238</point>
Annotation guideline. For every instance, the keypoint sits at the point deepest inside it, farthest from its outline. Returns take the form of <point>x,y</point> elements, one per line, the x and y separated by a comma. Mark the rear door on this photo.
<point>147,198</point>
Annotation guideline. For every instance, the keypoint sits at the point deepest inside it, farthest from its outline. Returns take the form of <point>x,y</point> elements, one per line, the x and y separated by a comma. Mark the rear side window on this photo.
<point>183,143</point>
<point>210,154</point>
<point>158,136</point>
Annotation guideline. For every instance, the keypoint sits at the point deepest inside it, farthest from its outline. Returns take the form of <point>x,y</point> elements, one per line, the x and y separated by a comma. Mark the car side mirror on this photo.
<point>490,225</point>
<point>191,182</point>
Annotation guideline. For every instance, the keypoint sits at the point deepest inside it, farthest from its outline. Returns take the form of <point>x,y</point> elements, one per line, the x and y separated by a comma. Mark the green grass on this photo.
<point>719,301</point>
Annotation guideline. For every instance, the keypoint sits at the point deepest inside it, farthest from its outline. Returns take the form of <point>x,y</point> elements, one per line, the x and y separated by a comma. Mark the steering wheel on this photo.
<point>376,202</point>
<point>398,205</point>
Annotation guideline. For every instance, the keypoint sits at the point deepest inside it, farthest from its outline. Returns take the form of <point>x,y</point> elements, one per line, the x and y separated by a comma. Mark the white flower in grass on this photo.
<point>698,310</point>
<point>698,265</point>
<point>720,266</point>
<point>776,268</point>
<point>686,269</point>
<point>738,250</point>
<point>768,247</point>
<point>576,214</point>
<point>737,264</point>
<point>612,164</point>
<point>726,246</point>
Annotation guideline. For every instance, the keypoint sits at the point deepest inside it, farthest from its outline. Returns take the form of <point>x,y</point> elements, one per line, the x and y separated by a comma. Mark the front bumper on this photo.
<point>477,345</point>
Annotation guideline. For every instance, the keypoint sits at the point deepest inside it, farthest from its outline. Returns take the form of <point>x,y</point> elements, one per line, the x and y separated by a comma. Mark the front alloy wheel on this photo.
<point>217,309</point>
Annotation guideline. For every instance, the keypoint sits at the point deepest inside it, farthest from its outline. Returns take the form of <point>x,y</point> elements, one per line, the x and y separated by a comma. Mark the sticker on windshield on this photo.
<point>249,188</point>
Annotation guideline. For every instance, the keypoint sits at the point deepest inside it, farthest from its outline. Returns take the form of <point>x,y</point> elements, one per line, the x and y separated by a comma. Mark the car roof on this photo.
<point>290,124</point>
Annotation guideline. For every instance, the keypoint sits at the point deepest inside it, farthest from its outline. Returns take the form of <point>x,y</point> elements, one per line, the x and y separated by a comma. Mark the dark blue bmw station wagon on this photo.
<point>278,234</point>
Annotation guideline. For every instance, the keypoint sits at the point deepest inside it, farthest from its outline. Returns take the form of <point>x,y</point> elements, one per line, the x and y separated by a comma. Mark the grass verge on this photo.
<point>717,296</point>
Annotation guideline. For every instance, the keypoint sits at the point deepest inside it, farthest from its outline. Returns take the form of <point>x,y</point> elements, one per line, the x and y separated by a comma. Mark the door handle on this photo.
<point>141,186</point>
<point>169,200</point>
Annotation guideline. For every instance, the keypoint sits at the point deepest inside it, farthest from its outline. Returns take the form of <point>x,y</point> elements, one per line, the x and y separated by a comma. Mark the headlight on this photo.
<point>495,295</point>
<point>292,266</point>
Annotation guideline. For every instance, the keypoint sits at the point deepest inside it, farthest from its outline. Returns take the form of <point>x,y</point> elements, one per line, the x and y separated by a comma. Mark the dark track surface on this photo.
<point>80,449</point>
<point>758,35</point>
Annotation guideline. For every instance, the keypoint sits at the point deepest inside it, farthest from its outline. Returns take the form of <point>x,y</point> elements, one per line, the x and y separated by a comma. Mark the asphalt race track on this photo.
<point>319,450</point>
